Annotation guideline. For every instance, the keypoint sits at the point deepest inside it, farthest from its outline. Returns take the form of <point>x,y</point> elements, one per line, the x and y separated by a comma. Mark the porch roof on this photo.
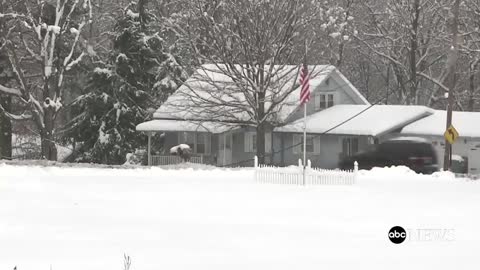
<point>371,121</point>
<point>161,125</point>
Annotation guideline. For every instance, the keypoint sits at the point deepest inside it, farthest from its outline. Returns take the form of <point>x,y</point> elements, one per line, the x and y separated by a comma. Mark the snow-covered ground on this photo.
<point>87,218</point>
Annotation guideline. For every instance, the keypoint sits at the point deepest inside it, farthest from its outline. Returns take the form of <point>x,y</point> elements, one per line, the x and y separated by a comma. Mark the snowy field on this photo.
<point>86,219</point>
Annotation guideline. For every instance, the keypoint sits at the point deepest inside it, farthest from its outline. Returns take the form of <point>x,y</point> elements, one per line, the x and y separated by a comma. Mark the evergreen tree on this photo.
<point>138,76</point>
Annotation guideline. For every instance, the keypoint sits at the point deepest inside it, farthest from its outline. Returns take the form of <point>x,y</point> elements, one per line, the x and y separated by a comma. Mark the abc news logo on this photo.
<point>398,235</point>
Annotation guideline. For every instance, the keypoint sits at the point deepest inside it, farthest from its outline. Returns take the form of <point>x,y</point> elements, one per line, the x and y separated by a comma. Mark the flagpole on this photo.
<point>304,142</point>
<point>305,81</point>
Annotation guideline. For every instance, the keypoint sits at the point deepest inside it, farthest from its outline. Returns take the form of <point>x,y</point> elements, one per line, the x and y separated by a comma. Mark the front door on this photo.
<point>224,149</point>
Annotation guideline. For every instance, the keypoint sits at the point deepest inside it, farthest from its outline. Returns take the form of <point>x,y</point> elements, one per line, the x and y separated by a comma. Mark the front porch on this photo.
<point>211,143</point>
<point>159,160</point>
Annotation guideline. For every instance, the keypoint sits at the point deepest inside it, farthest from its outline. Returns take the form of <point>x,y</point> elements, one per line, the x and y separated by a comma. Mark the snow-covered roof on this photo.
<point>210,83</point>
<point>371,120</point>
<point>466,123</point>
<point>162,125</point>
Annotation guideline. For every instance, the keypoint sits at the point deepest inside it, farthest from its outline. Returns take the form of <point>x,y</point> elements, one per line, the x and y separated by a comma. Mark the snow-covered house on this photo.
<point>340,121</point>
<point>222,143</point>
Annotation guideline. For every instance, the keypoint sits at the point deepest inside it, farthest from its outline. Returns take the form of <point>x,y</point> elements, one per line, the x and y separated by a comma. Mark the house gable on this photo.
<point>335,84</point>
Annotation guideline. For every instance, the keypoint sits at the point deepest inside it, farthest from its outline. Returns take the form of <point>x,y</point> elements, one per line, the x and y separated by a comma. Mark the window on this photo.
<point>324,101</point>
<point>312,144</point>
<point>251,142</point>
<point>190,140</point>
<point>198,142</point>
<point>225,141</point>
<point>349,146</point>
<point>201,147</point>
<point>309,144</point>
<point>329,100</point>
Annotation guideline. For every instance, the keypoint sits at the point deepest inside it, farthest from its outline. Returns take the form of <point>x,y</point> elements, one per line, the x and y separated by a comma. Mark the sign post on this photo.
<point>451,135</point>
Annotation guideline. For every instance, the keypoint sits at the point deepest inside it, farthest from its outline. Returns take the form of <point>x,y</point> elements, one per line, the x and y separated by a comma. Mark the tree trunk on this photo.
<point>413,95</point>
<point>5,130</point>
<point>471,94</point>
<point>49,149</point>
<point>142,13</point>
<point>261,143</point>
<point>261,125</point>
<point>5,123</point>
<point>472,86</point>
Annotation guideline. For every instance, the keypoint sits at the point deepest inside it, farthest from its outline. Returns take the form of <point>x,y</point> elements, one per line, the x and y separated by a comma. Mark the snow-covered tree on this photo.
<point>333,30</point>
<point>251,43</point>
<point>43,44</point>
<point>401,51</point>
<point>468,92</point>
<point>409,39</point>
<point>6,75</point>
<point>139,74</point>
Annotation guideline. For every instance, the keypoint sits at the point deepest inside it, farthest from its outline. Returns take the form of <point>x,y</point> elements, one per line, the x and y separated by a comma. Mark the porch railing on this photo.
<point>171,160</point>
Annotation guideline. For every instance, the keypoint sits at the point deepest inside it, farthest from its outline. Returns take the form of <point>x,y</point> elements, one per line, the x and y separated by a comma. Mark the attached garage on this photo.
<point>466,147</point>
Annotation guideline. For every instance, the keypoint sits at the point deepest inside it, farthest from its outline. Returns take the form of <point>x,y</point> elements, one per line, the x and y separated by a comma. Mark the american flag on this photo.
<point>305,83</point>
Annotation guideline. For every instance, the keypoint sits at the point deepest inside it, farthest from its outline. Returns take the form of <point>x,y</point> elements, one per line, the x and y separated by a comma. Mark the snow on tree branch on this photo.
<point>10,91</point>
<point>48,33</point>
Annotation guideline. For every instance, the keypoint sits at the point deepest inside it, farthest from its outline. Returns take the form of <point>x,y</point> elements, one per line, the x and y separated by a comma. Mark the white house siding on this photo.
<point>465,147</point>
<point>329,156</point>
<point>330,150</point>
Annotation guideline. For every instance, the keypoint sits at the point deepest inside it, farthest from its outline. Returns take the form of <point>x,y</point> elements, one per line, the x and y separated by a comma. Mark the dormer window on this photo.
<point>324,101</point>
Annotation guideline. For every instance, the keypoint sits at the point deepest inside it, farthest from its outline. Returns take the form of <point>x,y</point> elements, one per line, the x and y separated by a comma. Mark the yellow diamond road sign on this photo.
<point>451,134</point>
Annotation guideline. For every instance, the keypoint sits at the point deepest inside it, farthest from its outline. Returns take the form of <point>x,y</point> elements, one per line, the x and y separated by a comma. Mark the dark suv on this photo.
<point>416,153</point>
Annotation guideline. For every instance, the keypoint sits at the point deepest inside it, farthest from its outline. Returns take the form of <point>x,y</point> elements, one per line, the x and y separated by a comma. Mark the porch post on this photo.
<point>224,146</point>
<point>282,147</point>
<point>149,149</point>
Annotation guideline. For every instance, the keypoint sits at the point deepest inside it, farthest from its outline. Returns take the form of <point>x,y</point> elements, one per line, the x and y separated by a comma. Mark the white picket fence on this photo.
<point>294,175</point>
<point>170,160</point>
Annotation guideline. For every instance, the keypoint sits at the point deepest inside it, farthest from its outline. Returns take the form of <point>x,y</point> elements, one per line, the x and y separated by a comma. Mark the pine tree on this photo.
<point>139,74</point>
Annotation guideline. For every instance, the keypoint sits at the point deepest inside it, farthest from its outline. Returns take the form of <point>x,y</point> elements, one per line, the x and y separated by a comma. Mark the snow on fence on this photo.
<point>294,175</point>
<point>171,160</point>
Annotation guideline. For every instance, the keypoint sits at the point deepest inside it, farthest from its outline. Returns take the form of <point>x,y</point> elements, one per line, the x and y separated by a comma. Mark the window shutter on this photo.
<point>345,147</point>
<point>268,142</point>
<point>179,137</point>
<point>317,102</point>
<point>208,143</point>
<point>316,144</point>
<point>297,140</point>
<point>354,145</point>
<point>248,142</point>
